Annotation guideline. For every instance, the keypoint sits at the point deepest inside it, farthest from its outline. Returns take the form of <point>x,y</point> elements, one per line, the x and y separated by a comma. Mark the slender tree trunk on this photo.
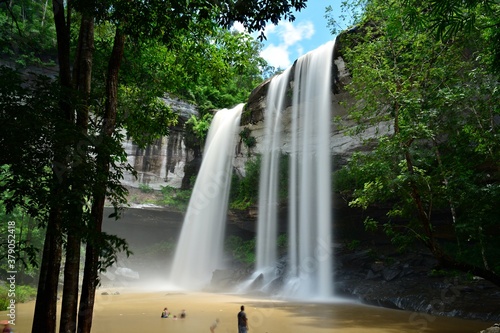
<point>44,12</point>
<point>63,55</point>
<point>82,71</point>
<point>70,289</point>
<point>452,206</point>
<point>90,279</point>
<point>44,319</point>
<point>89,284</point>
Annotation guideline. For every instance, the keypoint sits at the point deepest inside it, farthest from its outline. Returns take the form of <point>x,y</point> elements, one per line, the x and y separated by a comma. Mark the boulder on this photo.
<point>493,329</point>
<point>222,279</point>
<point>257,284</point>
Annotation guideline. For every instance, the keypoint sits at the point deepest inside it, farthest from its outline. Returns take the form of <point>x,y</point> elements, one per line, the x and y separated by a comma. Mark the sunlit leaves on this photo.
<point>199,127</point>
<point>217,71</point>
<point>441,153</point>
<point>27,32</point>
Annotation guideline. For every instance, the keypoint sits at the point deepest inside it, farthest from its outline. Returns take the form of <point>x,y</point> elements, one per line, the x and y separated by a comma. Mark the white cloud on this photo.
<point>270,29</point>
<point>291,34</point>
<point>286,35</point>
<point>276,56</point>
<point>238,27</point>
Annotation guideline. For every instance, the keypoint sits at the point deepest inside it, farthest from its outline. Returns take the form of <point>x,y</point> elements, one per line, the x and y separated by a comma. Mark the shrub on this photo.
<point>175,198</point>
<point>23,294</point>
<point>145,188</point>
<point>241,250</point>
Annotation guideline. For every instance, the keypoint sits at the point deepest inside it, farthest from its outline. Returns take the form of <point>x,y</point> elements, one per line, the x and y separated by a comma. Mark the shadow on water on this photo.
<point>352,317</point>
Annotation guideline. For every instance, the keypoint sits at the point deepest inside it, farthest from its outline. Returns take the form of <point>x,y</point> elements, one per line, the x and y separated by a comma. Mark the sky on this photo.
<point>287,41</point>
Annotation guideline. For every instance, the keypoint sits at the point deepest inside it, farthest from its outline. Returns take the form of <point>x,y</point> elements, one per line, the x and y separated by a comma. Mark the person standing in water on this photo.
<point>7,328</point>
<point>214,325</point>
<point>242,321</point>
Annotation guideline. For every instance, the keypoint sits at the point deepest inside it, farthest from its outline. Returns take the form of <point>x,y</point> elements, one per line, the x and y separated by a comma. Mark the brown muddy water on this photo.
<point>139,311</point>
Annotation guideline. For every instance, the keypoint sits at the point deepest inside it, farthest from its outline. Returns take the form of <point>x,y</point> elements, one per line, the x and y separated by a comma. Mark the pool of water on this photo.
<point>139,311</point>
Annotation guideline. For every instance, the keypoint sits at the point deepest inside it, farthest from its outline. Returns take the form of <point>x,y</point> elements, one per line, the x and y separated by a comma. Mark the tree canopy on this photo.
<point>432,88</point>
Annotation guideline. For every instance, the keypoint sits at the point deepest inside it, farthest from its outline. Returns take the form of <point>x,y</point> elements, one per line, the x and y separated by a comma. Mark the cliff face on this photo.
<point>162,163</point>
<point>341,145</point>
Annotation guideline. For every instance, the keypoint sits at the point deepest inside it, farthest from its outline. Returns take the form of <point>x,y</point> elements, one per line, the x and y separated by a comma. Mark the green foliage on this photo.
<point>353,245</point>
<point>241,250</point>
<point>434,102</point>
<point>350,13</point>
<point>199,127</point>
<point>110,246</point>
<point>283,177</point>
<point>247,138</point>
<point>33,132</point>
<point>245,190</point>
<point>231,68</point>
<point>145,188</point>
<point>451,17</point>
<point>215,71</point>
<point>23,294</point>
<point>443,273</point>
<point>175,198</point>
<point>29,239</point>
<point>28,122</point>
<point>69,153</point>
<point>282,241</point>
<point>145,116</point>
<point>27,32</point>
<point>4,298</point>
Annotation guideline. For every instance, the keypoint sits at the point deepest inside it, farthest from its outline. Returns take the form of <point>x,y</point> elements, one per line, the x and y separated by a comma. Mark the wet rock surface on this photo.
<point>410,282</point>
<point>493,329</point>
<point>414,282</point>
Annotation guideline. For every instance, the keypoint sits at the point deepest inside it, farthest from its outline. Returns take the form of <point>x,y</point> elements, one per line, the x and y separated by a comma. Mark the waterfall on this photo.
<point>309,218</point>
<point>200,246</point>
<point>307,86</point>
<point>268,187</point>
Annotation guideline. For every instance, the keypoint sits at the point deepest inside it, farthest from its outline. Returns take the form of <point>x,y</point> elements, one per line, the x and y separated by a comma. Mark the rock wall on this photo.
<point>342,145</point>
<point>162,163</point>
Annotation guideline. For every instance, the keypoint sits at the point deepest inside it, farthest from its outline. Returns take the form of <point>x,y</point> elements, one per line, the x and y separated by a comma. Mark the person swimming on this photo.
<point>165,313</point>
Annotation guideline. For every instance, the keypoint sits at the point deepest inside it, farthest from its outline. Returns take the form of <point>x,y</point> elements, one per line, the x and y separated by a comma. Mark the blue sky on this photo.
<point>289,40</point>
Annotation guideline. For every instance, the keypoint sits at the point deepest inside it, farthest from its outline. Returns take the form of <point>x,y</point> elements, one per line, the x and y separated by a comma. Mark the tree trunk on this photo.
<point>44,12</point>
<point>82,71</point>
<point>70,288</point>
<point>63,55</point>
<point>89,284</point>
<point>44,319</point>
<point>90,279</point>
